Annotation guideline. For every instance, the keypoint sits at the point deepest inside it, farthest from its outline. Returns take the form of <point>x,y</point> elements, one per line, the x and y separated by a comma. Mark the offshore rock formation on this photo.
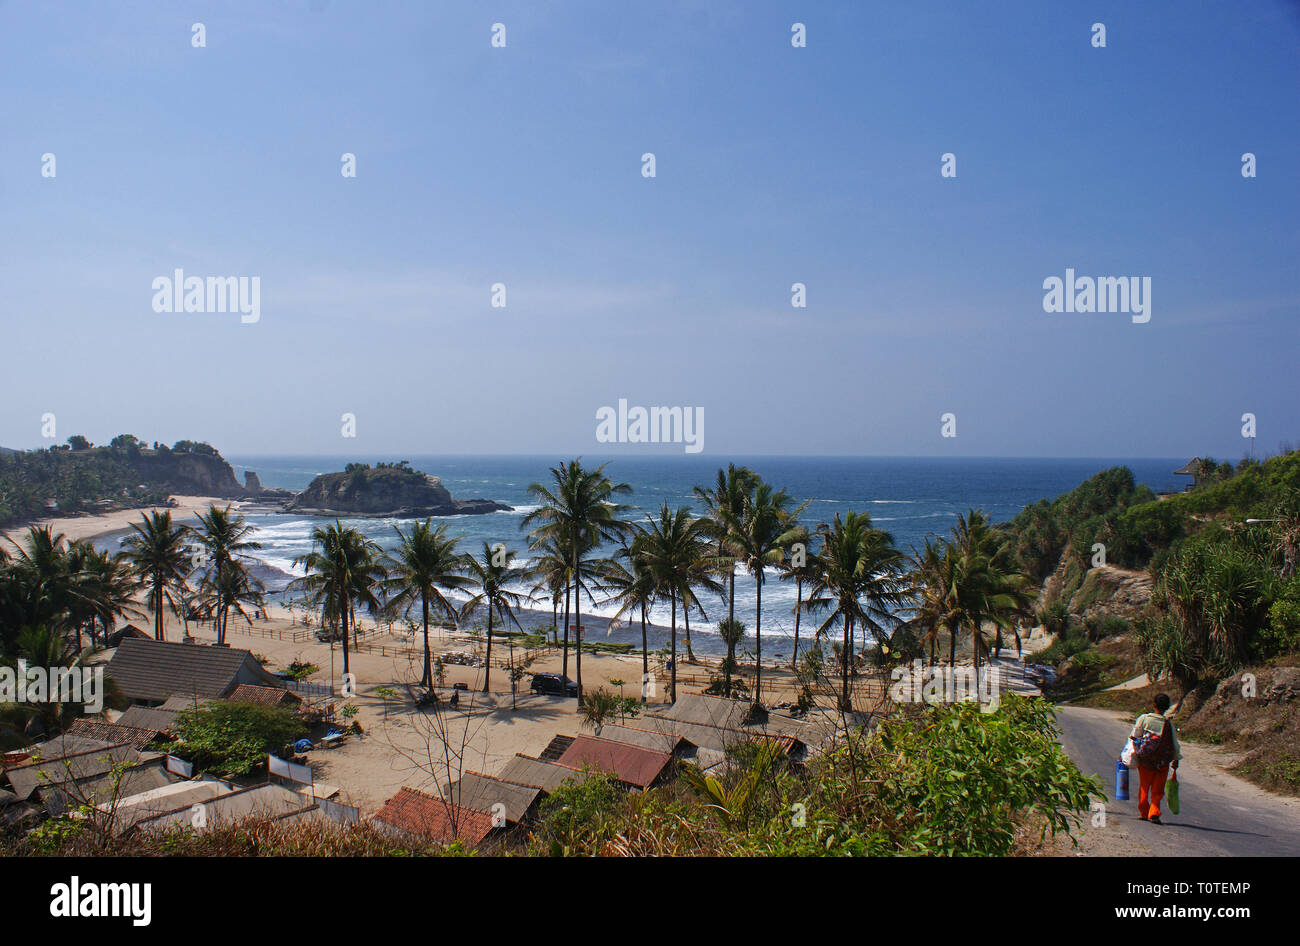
<point>384,491</point>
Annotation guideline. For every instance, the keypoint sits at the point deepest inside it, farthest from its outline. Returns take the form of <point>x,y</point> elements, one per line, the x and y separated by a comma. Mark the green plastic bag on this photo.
<point>1171,791</point>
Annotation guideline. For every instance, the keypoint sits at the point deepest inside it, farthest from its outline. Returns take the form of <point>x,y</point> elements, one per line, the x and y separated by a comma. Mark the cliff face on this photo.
<point>386,491</point>
<point>1104,589</point>
<point>196,474</point>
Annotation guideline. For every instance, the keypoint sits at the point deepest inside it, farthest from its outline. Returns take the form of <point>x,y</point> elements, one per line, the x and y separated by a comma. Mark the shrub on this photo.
<point>234,738</point>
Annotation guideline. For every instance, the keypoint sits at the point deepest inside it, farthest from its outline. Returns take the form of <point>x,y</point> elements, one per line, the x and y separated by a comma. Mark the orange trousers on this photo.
<point>1152,782</point>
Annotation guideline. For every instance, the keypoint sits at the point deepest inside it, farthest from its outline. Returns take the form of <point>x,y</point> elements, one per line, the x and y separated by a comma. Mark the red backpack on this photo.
<point>1154,751</point>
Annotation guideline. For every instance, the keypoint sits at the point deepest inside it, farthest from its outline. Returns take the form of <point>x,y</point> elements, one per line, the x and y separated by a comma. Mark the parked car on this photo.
<point>552,684</point>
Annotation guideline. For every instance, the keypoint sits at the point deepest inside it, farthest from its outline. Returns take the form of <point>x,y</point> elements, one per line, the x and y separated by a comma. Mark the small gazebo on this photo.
<point>1193,469</point>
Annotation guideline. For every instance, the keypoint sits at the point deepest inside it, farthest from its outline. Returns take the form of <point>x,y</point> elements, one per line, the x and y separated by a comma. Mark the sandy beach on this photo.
<point>92,526</point>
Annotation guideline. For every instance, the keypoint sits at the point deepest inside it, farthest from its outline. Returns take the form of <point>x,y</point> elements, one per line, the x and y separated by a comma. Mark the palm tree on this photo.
<point>426,565</point>
<point>225,539</point>
<point>104,588</point>
<point>159,555</point>
<point>550,571</point>
<point>800,569</point>
<point>492,575</point>
<point>934,595</point>
<point>732,633</point>
<point>989,587</point>
<point>577,513</point>
<point>44,576</point>
<point>343,570</point>
<point>758,535</point>
<point>672,549</point>
<point>724,504</point>
<point>44,647</point>
<point>861,584</point>
<point>627,576</point>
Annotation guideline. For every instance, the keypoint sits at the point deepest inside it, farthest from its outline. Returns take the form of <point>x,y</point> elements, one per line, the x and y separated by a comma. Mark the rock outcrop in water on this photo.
<point>386,490</point>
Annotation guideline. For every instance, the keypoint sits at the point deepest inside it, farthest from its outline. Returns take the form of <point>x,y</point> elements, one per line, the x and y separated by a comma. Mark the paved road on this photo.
<point>1222,816</point>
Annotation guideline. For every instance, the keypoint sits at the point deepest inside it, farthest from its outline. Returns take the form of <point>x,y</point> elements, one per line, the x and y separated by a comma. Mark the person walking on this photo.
<point>1155,749</point>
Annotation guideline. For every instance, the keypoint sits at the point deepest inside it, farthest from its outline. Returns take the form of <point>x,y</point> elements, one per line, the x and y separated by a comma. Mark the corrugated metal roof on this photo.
<point>630,764</point>
<point>27,778</point>
<point>145,717</point>
<point>113,733</point>
<point>660,740</point>
<point>266,801</point>
<point>418,813</point>
<point>547,776</point>
<point>264,696</point>
<point>737,715</point>
<point>483,793</point>
<point>152,671</point>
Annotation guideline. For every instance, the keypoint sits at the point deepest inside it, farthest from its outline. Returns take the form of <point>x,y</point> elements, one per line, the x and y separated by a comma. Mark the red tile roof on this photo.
<point>631,764</point>
<point>423,814</point>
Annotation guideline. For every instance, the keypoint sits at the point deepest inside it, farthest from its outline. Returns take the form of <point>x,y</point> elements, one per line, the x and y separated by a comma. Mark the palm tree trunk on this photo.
<point>487,663</point>
<point>157,609</point>
<point>347,605</point>
<point>798,607</point>
<point>564,671</point>
<point>952,647</point>
<point>686,614</point>
<point>672,685</point>
<point>577,618</point>
<point>758,636</point>
<point>846,656</point>
<point>645,658</point>
<point>427,680</point>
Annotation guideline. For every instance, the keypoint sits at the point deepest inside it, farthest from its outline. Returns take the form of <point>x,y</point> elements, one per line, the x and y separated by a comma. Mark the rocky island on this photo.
<point>383,491</point>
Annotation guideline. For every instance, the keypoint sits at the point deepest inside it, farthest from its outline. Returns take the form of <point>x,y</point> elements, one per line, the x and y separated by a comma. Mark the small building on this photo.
<point>114,733</point>
<point>150,671</point>
<point>548,776</point>
<point>435,819</point>
<point>632,765</point>
<point>484,793</point>
<point>264,696</point>
<point>665,740</point>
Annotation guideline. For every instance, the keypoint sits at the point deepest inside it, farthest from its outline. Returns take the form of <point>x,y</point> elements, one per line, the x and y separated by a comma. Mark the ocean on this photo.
<point>912,498</point>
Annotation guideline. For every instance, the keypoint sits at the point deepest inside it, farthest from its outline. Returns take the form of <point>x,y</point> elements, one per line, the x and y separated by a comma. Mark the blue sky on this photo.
<point>775,165</point>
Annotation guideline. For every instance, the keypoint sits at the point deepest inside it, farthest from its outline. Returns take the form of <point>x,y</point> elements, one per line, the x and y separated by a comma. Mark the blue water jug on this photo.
<point>1121,781</point>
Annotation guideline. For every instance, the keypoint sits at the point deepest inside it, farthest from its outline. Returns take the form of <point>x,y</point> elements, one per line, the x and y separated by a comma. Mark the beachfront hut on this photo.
<point>230,804</point>
<point>484,792</point>
<point>548,776</point>
<point>415,812</point>
<point>160,719</point>
<point>264,696</point>
<point>149,671</point>
<point>632,765</point>
<point>660,740</point>
<point>113,733</point>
